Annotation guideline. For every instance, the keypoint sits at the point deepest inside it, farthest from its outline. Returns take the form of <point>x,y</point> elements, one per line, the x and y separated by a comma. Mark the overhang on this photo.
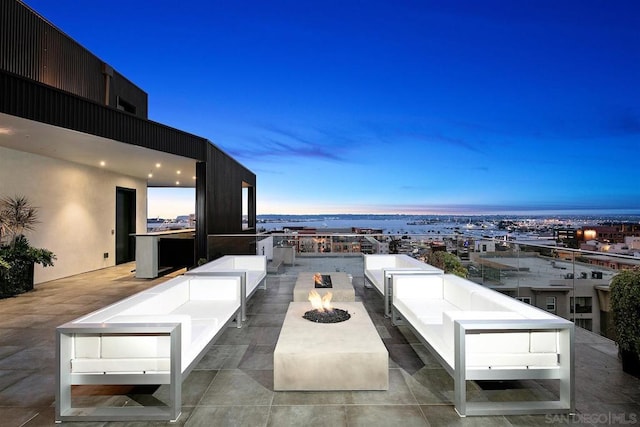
<point>158,168</point>
<point>43,120</point>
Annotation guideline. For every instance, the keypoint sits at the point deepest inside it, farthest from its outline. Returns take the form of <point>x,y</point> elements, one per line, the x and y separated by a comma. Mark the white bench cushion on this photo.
<point>161,303</point>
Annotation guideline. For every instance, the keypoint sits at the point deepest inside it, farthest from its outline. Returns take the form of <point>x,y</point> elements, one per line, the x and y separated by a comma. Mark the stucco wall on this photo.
<point>76,209</point>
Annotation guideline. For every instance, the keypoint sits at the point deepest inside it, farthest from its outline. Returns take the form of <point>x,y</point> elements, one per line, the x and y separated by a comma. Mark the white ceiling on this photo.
<point>64,144</point>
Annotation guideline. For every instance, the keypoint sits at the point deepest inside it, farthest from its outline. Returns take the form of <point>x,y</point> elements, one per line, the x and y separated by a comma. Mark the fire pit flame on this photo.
<point>320,303</point>
<point>322,311</point>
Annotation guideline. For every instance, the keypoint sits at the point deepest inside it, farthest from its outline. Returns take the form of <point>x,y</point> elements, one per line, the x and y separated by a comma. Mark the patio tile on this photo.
<point>385,415</point>
<point>308,416</point>
<point>10,377</point>
<point>398,393</point>
<point>234,387</point>
<point>445,415</point>
<point>257,357</point>
<point>40,357</point>
<point>291,398</point>
<point>222,357</point>
<point>17,416</point>
<point>266,335</point>
<point>404,357</point>
<point>193,388</point>
<point>233,383</point>
<point>240,416</point>
<point>34,390</point>
<point>266,320</point>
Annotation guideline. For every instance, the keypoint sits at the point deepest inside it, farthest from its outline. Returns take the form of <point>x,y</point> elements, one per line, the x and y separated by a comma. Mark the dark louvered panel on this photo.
<point>31,100</point>
<point>33,48</point>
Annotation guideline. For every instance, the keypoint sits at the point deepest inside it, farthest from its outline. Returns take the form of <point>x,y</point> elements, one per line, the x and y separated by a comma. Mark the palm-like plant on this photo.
<point>17,257</point>
<point>17,215</point>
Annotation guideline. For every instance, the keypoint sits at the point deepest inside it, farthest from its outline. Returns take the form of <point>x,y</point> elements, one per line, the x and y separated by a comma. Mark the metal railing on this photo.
<point>570,283</point>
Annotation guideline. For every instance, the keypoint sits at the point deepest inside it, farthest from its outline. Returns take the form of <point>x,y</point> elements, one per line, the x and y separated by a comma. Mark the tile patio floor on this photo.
<point>233,384</point>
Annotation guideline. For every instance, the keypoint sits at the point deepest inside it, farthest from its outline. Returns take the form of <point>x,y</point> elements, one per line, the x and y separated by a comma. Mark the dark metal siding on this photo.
<point>224,205</point>
<point>227,176</point>
<point>30,100</point>
<point>123,88</point>
<point>33,48</point>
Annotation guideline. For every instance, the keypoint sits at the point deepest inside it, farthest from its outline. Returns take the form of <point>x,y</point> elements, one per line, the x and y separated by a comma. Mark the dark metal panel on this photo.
<point>33,48</point>
<point>224,204</point>
<point>30,100</point>
<point>201,210</point>
<point>121,87</point>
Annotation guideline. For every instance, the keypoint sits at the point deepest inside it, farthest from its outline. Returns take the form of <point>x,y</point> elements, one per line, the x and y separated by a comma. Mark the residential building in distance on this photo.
<point>609,232</point>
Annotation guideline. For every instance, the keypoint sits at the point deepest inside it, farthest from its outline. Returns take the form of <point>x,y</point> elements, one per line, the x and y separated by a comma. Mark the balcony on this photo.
<point>233,384</point>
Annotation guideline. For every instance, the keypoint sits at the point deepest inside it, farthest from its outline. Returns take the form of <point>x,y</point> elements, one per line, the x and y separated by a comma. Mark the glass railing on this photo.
<point>571,283</point>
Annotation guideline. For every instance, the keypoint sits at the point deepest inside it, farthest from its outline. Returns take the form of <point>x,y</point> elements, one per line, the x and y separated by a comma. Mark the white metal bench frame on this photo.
<point>564,371</point>
<point>65,379</point>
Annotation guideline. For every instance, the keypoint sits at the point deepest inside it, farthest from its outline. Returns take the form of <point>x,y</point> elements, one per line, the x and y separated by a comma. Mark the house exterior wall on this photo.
<point>483,246</point>
<point>76,206</point>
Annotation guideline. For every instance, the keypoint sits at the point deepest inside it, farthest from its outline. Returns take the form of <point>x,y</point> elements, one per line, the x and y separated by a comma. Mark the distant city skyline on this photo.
<point>390,107</point>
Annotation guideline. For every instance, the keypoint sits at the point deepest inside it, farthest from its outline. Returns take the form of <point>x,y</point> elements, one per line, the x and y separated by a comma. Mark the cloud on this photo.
<point>457,142</point>
<point>275,142</point>
<point>393,133</point>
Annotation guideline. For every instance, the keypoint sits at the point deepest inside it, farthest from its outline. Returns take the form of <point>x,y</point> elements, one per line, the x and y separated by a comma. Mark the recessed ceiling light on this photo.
<point>103,163</point>
<point>178,172</point>
<point>194,177</point>
<point>150,175</point>
<point>158,165</point>
<point>6,131</point>
<point>177,182</point>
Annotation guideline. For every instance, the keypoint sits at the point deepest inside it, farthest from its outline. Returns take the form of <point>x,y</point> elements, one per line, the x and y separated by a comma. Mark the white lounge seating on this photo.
<point>378,270</point>
<point>251,268</point>
<point>480,334</point>
<point>154,337</point>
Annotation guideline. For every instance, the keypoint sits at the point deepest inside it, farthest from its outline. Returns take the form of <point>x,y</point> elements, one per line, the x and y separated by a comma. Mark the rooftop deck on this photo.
<point>233,384</point>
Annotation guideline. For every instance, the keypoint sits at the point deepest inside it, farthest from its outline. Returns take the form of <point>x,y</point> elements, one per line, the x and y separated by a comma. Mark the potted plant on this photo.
<point>625,310</point>
<point>17,256</point>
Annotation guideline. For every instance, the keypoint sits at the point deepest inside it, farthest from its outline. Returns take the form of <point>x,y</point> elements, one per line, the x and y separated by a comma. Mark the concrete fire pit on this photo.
<point>334,356</point>
<point>341,287</point>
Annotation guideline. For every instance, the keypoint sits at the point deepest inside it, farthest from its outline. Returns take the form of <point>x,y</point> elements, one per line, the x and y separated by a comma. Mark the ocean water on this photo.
<point>387,225</point>
<point>434,225</point>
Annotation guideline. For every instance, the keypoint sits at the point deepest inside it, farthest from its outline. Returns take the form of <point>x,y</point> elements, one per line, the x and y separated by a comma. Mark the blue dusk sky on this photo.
<point>424,107</point>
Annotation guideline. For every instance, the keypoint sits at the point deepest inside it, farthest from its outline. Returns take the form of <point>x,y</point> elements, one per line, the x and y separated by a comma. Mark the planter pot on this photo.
<point>630,363</point>
<point>16,280</point>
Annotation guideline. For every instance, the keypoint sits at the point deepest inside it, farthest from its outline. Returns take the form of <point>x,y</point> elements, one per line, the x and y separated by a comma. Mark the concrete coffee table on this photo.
<point>341,287</point>
<point>330,356</point>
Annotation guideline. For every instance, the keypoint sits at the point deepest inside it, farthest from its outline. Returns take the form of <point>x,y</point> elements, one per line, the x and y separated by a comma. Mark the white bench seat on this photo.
<point>251,268</point>
<point>378,270</point>
<point>480,334</point>
<point>154,337</point>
